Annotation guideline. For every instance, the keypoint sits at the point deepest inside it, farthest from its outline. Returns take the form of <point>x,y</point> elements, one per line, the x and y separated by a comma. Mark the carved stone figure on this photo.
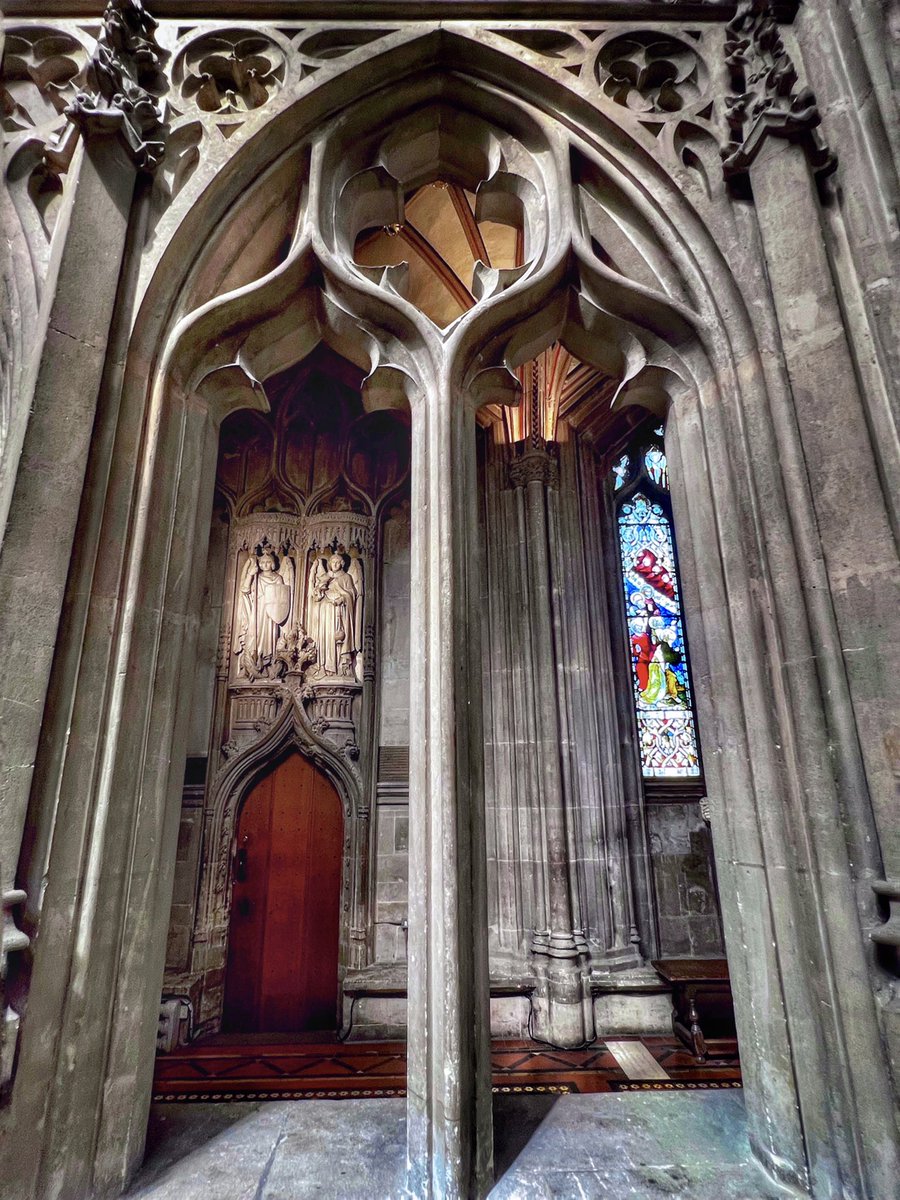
<point>334,615</point>
<point>266,595</point>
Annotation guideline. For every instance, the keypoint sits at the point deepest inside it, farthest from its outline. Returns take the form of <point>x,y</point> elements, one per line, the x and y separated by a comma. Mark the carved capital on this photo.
<point>125,78</point>
<point>536,465</point>
<point>765,98</point>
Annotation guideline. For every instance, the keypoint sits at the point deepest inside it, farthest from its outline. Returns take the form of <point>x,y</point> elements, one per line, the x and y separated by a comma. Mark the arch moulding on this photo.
<point>625,272</point>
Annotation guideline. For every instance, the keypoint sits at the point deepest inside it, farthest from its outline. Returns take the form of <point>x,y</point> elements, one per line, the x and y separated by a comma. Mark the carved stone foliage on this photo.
<point>536,465</point>
<point>766,96</point>
<point>124,82</point>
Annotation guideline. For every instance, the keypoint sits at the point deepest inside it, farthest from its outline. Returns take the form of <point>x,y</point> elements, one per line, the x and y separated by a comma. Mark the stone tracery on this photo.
<point>616,301</point>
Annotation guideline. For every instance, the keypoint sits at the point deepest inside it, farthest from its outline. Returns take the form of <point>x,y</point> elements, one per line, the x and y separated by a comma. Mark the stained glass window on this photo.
<point>655,462</point>
<point>620,471</point>
<point>667,734</point>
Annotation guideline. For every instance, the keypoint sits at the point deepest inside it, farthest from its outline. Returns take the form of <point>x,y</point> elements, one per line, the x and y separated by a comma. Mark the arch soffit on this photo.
<point>559,298</point>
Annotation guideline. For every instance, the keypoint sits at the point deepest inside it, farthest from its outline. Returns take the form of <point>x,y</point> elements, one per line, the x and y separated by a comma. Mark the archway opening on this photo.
<point>623,339</point>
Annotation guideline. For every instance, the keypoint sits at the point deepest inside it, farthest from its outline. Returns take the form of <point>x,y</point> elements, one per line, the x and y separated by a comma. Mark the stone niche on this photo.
<point>296,607</point>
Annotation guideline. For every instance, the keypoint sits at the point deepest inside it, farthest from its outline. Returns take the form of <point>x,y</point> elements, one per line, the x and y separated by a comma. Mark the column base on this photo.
<point>561,1006</point>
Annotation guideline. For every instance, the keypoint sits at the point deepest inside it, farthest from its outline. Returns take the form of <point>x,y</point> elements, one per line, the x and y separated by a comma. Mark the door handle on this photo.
<point>239,871</point>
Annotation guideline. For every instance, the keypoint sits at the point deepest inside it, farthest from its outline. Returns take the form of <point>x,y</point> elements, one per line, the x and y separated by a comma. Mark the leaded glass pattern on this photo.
<point>667,733</point>
<point>657,468</point>
<point>620,471</point>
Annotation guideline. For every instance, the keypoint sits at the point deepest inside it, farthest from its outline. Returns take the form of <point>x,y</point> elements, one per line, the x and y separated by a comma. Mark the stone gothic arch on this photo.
<point>628,274</point>
<point>292,730</point>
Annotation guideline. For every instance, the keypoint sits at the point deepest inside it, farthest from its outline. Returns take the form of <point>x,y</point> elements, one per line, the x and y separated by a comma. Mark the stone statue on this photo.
<point>266,598</point>
<point>334,615</point>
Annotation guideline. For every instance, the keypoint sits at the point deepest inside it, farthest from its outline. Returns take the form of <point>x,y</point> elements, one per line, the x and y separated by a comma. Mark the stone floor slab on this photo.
<point>639,1146</point>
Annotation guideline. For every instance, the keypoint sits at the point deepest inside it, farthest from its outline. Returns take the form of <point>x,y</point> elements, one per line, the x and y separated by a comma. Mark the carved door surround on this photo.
<point>296,642</point>
<point>679,318</point>
<point>256,719</point>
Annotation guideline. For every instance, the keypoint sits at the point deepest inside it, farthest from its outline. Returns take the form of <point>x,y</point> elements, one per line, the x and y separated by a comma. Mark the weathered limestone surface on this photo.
<point>690,1145</point>
<point>756,315</point>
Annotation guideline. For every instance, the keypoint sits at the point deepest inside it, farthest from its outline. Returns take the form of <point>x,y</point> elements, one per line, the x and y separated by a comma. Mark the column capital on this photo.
<point>765,99</point>
<point>125,78</point>
<point>535,464</point>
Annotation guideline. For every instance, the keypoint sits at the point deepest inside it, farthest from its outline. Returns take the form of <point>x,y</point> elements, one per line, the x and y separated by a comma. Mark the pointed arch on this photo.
<point>245,767</point>
<point>674,325</point>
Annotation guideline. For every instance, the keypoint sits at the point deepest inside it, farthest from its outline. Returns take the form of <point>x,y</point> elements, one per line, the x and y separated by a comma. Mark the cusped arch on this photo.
<point>684,328</point>
<point>233,783</point>
<point>681,242</point>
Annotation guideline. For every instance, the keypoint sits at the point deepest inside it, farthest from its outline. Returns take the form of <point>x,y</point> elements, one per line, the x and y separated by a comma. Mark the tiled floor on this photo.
<point>231,1069</point>
<point>640,1146</point>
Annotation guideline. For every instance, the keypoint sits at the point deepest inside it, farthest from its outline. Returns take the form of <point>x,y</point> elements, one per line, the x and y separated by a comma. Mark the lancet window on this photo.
<point>660,670</point>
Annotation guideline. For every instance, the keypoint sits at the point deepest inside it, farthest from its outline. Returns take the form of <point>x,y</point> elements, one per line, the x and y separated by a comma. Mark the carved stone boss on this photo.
<point>297,631</point>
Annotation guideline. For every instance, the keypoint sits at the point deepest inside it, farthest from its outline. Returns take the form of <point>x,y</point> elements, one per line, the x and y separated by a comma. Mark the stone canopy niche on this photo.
<point>289,642</point>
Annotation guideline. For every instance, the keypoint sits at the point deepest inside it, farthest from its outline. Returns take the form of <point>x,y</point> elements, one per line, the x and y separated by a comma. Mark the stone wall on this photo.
<point>687,908</point>
<point>178,241</point>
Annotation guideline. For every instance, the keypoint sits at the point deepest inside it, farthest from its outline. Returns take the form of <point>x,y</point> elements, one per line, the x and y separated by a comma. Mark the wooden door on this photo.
<point>282,972</point>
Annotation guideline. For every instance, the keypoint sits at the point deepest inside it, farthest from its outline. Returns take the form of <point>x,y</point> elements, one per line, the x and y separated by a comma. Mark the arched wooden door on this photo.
<point>282,972</point>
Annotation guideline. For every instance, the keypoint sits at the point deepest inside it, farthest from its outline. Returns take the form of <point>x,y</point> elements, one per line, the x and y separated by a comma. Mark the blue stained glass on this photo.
<point>620,470</point>
<point>657,467</point>
<point>666,729</point>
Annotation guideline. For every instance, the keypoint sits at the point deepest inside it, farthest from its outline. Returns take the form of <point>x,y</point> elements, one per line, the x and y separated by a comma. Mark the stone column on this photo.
<point>583,540</point>
<point>34,562</point>
<point>843,547</point>
<point>561,1014</point>
<point>821,373</point>
<point>449,1144</point>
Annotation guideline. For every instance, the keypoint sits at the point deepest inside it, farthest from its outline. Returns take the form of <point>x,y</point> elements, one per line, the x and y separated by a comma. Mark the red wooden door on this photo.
<point>282,972</point>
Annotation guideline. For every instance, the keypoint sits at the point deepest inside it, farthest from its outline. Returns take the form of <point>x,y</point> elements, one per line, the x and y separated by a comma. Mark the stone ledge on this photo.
<point>643,981</point>
<point>410,10</point>
<point>389,979</point>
